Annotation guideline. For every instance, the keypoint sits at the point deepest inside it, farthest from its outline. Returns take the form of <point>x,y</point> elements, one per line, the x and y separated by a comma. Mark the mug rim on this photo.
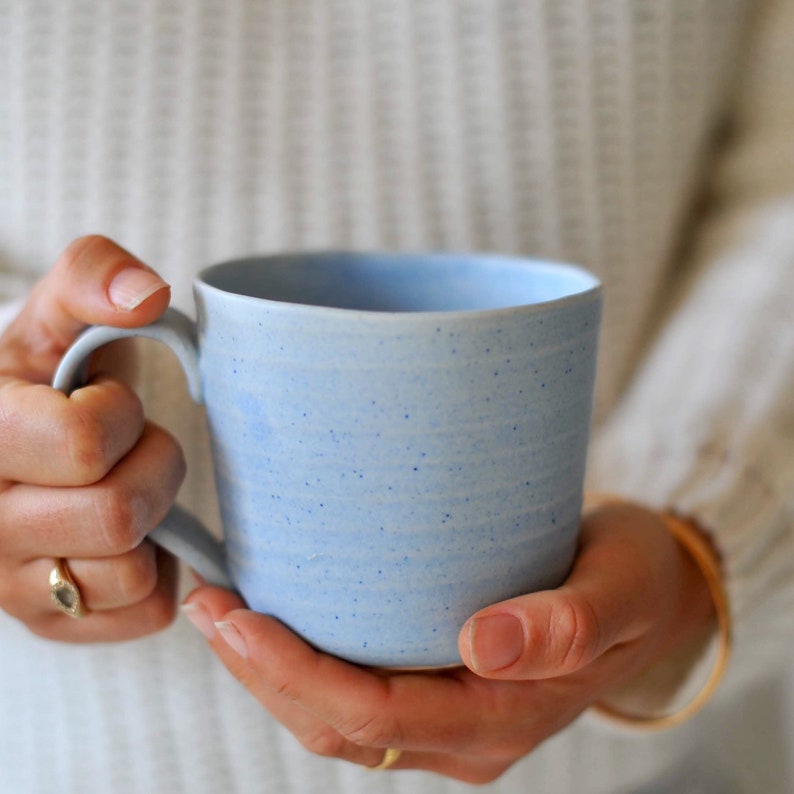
<point>592,285</point>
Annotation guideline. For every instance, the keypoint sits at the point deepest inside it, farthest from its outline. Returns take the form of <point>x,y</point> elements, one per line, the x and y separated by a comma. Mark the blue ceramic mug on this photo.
<point>399,439</point>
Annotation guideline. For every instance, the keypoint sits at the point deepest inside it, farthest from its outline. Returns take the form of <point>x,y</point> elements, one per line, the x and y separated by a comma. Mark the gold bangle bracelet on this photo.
<point>695,542</point>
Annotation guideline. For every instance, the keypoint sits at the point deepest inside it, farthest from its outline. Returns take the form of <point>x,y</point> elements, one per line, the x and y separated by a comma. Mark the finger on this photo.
<point>609,598</point>
<point>108,583</point>
<point>47,438</point>
<point>104,519</point>
<point>94,281</point>
<point>439,711</point>
<point>154,613</point>
<point>210,604</point>
<point>452,722</point>
<point>207,605</point>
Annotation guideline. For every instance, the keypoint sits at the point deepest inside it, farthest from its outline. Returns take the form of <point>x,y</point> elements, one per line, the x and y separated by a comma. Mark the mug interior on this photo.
<point>380,282</point>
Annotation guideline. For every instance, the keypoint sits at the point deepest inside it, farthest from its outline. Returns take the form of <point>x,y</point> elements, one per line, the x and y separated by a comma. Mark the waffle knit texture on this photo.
<point>651,142</point>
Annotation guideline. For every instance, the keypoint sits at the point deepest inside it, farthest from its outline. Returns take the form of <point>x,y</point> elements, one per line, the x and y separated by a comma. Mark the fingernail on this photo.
<point>233,637</point>
<point>132,286</point>
<point>200,618</point>
<point>495,642</point>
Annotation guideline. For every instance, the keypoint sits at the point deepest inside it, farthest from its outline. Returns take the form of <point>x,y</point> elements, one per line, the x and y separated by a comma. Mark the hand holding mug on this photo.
<point>533,663</point>
<point>86,478</point>
<point>83,478</point>
<point>399,439</point>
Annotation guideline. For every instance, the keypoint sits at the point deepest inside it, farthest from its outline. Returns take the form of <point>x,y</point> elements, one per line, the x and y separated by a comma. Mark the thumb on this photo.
<point>610,597</point>
<point>94,281</point>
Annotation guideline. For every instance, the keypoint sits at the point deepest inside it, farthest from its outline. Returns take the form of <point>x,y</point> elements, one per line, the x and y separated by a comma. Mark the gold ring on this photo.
<point>390,758</point>
<point>64,593</point>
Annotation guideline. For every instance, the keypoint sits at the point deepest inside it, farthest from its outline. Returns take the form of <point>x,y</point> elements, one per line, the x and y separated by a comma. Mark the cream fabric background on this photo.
<point>195,131</point>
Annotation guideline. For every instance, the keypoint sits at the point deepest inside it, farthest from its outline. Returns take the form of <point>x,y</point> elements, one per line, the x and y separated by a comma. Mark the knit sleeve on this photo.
<point>707,424</point>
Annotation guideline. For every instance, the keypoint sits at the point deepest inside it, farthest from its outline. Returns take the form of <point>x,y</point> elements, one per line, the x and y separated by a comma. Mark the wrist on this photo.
<point>701,618</point>
<point>696,611</point>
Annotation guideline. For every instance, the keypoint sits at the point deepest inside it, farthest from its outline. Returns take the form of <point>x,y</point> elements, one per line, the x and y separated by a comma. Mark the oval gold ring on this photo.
<point>390,757</point>
<point>64,593</point>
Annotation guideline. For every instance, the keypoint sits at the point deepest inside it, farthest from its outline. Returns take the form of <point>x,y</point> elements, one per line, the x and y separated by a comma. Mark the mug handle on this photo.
<point>180,532</point>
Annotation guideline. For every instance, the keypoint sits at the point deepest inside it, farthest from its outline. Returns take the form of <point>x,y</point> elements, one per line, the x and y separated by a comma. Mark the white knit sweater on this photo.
<point>567,129</point>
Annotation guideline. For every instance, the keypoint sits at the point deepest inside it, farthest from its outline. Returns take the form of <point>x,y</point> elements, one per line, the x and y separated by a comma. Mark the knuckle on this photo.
<point>136,574</point>
<point>160,613</point>
<point>165,471</point>
<point>373,731</point>
<point>73,255</point>
<point>117,516</point>
<point>576,633</point>
<point>86,445</point>
<point>174,456</point>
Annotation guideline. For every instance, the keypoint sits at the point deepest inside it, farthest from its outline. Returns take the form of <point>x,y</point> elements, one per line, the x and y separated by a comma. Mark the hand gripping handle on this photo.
<point>180,532</point>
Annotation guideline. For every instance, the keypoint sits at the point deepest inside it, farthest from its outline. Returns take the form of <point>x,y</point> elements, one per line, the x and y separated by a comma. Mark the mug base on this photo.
<point>425,668</point>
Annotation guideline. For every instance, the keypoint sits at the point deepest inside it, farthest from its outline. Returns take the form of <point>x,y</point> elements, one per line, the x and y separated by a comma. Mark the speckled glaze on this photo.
<point>399,440</point>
